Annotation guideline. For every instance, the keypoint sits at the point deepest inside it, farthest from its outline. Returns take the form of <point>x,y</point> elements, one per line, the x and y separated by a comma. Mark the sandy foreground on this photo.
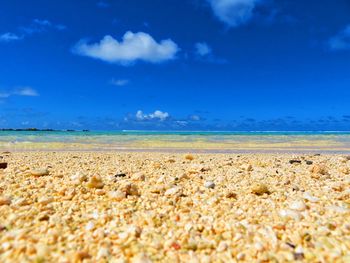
<point>150,207</point>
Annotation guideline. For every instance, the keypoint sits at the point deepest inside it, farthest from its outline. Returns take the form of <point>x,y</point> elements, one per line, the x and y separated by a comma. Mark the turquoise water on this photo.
<point>177,139</point>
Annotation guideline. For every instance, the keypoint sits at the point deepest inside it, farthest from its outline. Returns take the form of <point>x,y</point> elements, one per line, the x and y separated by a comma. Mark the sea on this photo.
<point>178,141</point>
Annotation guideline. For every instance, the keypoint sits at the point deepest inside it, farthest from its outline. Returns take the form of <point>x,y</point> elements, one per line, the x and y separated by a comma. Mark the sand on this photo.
<point>163,207</point>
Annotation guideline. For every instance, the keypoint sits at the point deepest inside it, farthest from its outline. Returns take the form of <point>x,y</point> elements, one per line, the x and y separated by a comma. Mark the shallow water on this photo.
<point>177,141</point>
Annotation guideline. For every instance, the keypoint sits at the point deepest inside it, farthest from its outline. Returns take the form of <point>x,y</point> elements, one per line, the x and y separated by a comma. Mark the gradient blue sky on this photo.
<point>180,65</point>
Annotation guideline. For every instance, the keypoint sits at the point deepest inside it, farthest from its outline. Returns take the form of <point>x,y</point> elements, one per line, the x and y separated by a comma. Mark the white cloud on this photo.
<point>36,26</point>
<point>133,47</point>
<point>119,82</point>
<point>233,12</point>
<point>4,94</point>
<point>39,26</point>
<point>102,4</point>
<point>26,91</point>
<point>341,41</point>
<point>7,37</point>
<point>194,118</point>
<point>202,49</point>
<point>21,91</point>
<point>43,22</point>
<point>157,115</point>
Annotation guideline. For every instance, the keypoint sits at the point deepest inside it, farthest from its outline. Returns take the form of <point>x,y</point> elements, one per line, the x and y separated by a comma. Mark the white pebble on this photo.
<point>209,184</point>
<point>102,253</point>
<point>309,197</point>
<point>89,226</point>
<point>290,214</point>
<point>117,195</point>
<point>298,206</point>
<point>45,200</point>
<point>172,191</point>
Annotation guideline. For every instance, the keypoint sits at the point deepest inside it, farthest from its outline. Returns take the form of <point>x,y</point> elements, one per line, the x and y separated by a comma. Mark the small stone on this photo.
<point>298,206</point>
<point>259,246</point>
<point>81,255</point>
<point>339,187</point>
<point>222,246</point>
<point>45,200</point>
<point>299,253</point>
<point>103,252</point>
<point>260,189</point>
<point>120,175</point>
<point>287,182</point>
<point>100,192</point>
<point>117,195</point>
<point>319,169</point>
<point>157,165</point>
<point>231,195</point>
<point>298,256</point>
<point>290,214</point>
<point>247,167</point>
<point>157,189</point>
<point>89,226</point>
<point>134,231</point>
<point>44,217</point>
<point>309,162</point>
<point>39,172</point>
<point>78,178</point>
<point>204,169</point>
<point>240,256</point>
<point>138,177</point>
<point>294,161</point>
<point>189,157</point>
<point>5,201</point>
<point>95,182</point>
<point>209,184</point>
<point>173,191</point>
<point>3,165</point>
<point>309,197</point>
<point>295,188</point>
<point>130,189</point>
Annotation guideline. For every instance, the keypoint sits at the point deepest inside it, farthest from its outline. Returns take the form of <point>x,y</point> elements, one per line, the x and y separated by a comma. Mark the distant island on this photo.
<point>40,130</point>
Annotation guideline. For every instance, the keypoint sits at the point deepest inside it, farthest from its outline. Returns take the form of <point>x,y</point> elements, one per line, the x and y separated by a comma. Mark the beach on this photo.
<point>110,206</point>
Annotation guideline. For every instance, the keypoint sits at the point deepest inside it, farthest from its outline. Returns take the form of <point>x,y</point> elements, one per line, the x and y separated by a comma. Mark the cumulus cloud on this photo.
<point>157,115</point>
<point>21,91</point>
<point>202,49</point>
<point>119,82</point>
<point>233,12</point>
<point>132,48</point>
<point>341,41</point>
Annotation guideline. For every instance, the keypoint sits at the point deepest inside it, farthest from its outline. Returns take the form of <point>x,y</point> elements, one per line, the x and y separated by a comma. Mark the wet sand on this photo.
<point>174,207</point>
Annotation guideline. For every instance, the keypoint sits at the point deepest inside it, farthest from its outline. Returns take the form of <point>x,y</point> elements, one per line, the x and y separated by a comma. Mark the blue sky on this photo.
<point>175,65</point>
